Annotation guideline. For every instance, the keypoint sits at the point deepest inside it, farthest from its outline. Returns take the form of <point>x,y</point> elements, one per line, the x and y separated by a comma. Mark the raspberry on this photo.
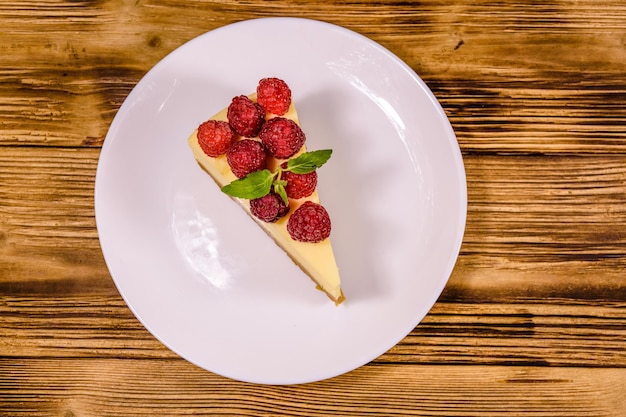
<point>215,137</point>
<point>269,208</point>
<point>245,116</point>
<point>246,156</point>
<point>298,185</point>
<point>274,95</point>
<point>282,137</point>
<point>309,223</point>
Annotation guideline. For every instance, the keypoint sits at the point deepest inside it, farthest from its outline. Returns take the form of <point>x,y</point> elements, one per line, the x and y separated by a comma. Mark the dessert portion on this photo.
<point>255,151</point>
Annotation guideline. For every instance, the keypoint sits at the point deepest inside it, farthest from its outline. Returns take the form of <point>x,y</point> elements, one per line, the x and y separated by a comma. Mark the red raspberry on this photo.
<point>245,116</point>
<point>309,223</point>
<point>215,137</point>
<point>246,156</point>
<point>269,208</point>
<point>298,185</point>
<point>282,137</point>
<point>274,95</point>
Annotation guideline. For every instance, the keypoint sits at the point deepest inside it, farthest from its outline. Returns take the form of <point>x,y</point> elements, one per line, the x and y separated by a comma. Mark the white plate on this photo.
<point>206,281</point>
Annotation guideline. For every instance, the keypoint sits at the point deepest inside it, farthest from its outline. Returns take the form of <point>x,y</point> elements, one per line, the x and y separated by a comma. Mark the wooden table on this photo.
<point>533,319</point>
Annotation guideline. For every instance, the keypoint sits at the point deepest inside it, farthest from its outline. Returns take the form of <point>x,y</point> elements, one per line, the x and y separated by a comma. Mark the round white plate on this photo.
<point>206,280</point>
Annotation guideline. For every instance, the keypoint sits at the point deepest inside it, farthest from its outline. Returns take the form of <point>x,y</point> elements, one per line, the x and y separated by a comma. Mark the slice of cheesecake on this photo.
<point>317,260</point>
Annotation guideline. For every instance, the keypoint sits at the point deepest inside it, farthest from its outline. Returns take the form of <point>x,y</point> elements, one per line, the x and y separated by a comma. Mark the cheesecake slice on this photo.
<point>317,260</point>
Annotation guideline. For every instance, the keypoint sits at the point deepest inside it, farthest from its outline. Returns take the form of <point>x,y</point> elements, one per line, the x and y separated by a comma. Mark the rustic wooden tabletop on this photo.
<point>533,319</point>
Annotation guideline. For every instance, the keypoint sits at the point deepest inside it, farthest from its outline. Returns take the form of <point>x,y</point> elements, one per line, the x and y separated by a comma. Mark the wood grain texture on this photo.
<point>110,387</point>
<point>511,77</point>
<point>529,222</point>
<point>533,319</point>
<point>530,334</point>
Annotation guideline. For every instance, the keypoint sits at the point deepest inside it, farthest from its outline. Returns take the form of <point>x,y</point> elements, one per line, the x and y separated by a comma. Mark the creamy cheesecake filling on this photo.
<point>316,259</point>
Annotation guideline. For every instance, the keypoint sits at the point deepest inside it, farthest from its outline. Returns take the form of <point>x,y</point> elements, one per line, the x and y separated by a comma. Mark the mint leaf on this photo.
<point>259,183</point>
<point>279,188</point>
<point>254,185</point>
<point>309,161</point>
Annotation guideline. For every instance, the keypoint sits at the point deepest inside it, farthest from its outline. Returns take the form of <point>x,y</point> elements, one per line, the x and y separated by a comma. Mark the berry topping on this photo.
<point>274,95</point>
<point>309,223</point>
<point>245,116</point>
<point>269,208</point>
<point>298,185</point>
<point>282,137</point>
<point>246,156</point>
<point>215,137</point>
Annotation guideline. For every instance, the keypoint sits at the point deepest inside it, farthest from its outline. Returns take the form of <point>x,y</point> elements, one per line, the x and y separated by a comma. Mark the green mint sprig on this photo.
<point>259,183</point>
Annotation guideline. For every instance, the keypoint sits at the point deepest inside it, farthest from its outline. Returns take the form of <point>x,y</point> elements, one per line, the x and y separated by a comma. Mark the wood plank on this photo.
<point>533,333</point>
<point>48,238</point>
<point>566,206</point>
<point>534,79</point>
<point>113,387</point>
<point>62,181</point>
<point>539,333</point>
<point>536,227</point>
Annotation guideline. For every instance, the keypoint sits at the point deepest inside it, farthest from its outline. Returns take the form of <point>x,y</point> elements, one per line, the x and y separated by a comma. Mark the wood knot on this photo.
<point>155,41</point>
